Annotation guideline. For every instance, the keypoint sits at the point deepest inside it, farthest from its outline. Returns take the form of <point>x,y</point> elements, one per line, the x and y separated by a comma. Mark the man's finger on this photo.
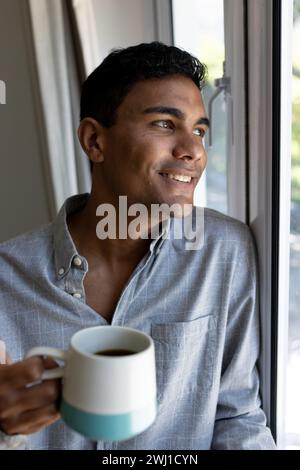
<point>22,373</point>
<point>31,421</point>
<point>31,398</point>
<point>49,363</point>
<point>40,426</point>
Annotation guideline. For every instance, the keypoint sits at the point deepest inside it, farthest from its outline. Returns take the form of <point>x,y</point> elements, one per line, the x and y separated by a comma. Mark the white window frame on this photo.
<point>234,33</point>
<point>284,211</point>
<point>269,184</point>
<point>260,28</point>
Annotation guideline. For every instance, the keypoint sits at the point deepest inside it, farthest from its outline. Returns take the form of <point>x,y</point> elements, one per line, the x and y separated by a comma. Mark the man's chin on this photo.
<point>173,209</point>
<point>184,210</point>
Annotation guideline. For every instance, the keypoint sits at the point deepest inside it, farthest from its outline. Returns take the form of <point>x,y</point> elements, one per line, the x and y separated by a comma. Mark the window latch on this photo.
<point>222,84</point>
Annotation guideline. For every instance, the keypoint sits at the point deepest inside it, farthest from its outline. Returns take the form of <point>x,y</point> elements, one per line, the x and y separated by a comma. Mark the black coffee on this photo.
<point>114,352</point>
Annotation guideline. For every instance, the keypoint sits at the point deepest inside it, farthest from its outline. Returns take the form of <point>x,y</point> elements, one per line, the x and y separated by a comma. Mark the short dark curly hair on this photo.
<point>106,87</point>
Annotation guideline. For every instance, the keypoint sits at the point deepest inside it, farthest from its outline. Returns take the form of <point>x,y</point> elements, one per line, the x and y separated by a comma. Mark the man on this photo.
<point>142,126</point>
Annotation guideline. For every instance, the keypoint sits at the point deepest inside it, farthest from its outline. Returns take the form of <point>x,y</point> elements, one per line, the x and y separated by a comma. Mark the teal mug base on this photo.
<point>108,427</point>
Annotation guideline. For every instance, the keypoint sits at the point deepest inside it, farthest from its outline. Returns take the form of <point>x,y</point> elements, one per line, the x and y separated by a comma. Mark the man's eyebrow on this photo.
<point>173,112</point>
<point>204,121</point>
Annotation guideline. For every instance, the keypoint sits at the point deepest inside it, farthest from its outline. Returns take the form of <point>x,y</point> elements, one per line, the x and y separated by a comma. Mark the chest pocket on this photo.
<point>184,355</point>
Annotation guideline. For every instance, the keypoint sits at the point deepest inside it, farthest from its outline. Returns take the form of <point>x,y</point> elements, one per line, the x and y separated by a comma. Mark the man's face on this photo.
<point>154,153</point>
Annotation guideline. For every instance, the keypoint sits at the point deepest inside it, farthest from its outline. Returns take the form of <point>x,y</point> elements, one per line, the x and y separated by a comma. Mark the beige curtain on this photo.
<point>59,79</point>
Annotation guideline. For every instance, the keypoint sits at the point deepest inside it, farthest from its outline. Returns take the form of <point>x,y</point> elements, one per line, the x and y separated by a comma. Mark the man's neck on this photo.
<point>82,227</point>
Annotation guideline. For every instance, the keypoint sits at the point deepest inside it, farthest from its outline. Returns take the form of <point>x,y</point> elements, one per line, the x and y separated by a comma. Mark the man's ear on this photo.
<point>90,135</point>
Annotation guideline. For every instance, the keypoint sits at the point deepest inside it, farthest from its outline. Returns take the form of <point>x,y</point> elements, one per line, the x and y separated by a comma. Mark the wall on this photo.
<point>26,195</point>
<point>25,201</point>
<point>107,24</point>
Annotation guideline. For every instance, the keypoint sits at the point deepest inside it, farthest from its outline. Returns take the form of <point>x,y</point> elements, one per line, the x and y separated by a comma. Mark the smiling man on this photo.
<point>142,127</point>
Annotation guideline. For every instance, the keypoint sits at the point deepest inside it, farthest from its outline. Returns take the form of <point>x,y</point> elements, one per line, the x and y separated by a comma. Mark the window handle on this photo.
<point>221,84</point>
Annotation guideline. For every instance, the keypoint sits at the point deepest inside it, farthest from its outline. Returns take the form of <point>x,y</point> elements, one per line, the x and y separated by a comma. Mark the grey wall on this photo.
<point>24,186</point>
<point>108,24</point>
<point>26,194</point>
<point>123,23</point>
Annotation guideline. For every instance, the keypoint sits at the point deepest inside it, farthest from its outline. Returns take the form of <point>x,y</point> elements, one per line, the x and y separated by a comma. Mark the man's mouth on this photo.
<point>177,177</point>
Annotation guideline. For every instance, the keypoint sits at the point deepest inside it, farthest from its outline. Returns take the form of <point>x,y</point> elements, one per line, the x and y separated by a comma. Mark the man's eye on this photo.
<point>200,132</point>
<point>163,124</point>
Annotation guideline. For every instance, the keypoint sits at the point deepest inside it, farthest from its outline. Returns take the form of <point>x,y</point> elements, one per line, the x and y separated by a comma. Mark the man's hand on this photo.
<point>27,409</point>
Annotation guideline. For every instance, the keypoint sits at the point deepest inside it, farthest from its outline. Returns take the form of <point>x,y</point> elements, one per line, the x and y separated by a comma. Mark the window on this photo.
<point>204,38</point>
<point>292,430</point>
<point>217,39</point>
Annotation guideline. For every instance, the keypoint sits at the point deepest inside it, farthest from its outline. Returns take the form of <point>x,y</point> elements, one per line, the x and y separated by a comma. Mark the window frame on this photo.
<point>284,130</point>
<point>269,190</point>
<point>235,53</point>
<point>260,28</point>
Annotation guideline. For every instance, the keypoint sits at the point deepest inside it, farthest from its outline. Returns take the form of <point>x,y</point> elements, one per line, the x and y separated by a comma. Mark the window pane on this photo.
<point>293,372</point>
<point>199,28</point>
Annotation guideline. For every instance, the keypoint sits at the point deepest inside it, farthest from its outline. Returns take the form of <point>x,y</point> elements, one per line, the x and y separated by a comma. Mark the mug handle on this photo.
<point>53,353</point>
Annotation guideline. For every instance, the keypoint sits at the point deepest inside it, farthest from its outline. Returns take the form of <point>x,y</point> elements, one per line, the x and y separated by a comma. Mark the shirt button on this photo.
<point>61,271</point>
<point>77,261</point>
<point>77,295</point>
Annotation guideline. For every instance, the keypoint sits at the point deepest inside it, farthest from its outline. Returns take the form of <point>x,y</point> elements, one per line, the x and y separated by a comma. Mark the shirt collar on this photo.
<point>158,240</point>
<point>64,247</point>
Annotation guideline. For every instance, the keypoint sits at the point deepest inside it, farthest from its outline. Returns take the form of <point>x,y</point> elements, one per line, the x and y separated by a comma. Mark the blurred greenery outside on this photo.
<point>296,107</point>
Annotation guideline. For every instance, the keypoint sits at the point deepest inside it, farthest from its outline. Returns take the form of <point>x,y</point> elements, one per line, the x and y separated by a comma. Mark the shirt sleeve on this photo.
<point>240,422</point>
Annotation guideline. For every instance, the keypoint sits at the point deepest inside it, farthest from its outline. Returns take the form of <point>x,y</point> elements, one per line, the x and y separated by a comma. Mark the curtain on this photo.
<point>59,80</point>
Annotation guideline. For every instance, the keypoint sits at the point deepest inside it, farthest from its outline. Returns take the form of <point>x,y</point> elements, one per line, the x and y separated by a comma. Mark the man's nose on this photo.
<point>189,148</point>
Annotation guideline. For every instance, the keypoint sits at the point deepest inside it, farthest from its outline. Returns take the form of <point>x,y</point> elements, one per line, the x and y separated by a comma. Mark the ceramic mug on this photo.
<point>105,396</point>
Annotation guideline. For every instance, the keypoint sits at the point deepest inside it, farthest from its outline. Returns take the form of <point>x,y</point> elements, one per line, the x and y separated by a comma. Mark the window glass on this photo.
<point>293,370</point>
<point>203,35</point>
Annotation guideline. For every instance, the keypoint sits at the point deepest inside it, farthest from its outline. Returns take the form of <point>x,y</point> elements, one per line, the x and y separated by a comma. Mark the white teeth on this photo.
<point>182,178</point>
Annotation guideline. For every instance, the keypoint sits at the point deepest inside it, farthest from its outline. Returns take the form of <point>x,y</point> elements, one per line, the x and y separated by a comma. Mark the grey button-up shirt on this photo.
<point>199,306</point>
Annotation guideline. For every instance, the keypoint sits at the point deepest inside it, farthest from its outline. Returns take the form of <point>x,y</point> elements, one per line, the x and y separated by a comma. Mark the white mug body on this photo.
<point>109,397</point>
